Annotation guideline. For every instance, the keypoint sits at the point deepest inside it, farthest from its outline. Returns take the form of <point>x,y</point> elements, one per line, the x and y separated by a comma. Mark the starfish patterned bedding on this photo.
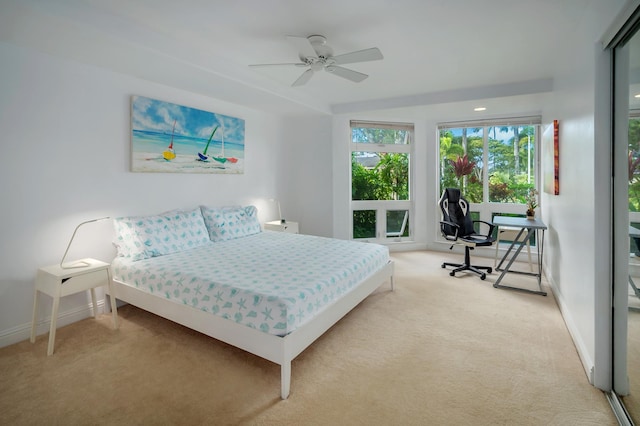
<point>221,262</point>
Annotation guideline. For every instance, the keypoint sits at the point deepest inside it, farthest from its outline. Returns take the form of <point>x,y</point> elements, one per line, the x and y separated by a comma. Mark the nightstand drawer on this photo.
<point>84,282</point>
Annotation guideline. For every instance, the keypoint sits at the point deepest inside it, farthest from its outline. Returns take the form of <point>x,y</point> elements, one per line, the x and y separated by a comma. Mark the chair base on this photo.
<point>467,266</point>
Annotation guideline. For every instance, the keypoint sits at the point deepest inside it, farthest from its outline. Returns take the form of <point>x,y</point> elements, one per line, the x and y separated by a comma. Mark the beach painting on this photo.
<point>171,138</point>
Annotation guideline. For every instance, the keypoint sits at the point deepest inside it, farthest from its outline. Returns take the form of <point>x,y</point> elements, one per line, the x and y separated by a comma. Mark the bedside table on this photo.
<point>276,225</point>
<point>58,282</point>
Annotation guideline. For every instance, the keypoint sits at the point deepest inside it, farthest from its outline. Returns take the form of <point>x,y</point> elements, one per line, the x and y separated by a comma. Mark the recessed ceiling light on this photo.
<point>480,109</point>
<point>637,96</point>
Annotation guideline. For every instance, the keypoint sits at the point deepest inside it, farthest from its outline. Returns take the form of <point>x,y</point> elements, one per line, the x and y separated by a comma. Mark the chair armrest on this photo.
<point>454,226</point>
<point>489,224</point>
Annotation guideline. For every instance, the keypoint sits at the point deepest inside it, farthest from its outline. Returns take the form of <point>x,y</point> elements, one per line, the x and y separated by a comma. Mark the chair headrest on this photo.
<point>452,194</point>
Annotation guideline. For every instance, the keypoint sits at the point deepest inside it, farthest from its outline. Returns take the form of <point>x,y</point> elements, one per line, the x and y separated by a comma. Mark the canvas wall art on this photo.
<point>551,158</point>
<point>171,138</point>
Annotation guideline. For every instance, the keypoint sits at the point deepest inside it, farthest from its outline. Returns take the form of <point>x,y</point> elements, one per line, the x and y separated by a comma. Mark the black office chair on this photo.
<point>457,226</point>
<point>635,288</point>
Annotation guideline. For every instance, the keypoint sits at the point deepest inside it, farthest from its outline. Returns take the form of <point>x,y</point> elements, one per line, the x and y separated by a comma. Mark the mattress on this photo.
<point>271,281</point>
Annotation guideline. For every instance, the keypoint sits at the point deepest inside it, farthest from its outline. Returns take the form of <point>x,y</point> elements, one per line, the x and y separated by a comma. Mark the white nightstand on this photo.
<point>276,225</point>
<point>58,282</point>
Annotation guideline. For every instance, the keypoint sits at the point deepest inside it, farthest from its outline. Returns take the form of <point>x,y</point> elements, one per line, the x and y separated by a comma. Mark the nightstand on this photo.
<point>58,282</point>
<point>276,225</point>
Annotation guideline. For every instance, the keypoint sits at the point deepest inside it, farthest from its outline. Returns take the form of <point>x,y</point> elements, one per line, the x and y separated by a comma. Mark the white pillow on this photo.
<point>187,231</point>
<point>227,223</point>
<point>141,237</point>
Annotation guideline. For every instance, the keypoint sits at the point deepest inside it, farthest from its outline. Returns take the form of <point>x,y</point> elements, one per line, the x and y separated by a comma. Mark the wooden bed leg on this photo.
<point>285,379</point>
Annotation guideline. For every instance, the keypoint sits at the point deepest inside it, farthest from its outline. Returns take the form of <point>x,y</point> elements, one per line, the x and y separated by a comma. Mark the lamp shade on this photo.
<point>79,264</point>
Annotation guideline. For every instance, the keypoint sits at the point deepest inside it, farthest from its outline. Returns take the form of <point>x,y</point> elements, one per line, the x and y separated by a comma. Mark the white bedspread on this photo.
<point>271,281</point>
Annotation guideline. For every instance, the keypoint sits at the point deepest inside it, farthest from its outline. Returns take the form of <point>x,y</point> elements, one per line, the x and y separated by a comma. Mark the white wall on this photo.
<point>577,253</point>
<point>65,138</point>
<point>305,173</point>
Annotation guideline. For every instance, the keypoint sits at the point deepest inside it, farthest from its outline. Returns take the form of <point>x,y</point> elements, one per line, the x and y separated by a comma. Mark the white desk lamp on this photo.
<point>79,264</point>
<point>279,210</point>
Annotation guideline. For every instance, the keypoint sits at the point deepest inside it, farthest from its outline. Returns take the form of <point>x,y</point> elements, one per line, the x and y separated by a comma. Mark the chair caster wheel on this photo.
<point>489,270</point>
<point>444,266</point>
<point>483,276</point>
<point>453,274</point>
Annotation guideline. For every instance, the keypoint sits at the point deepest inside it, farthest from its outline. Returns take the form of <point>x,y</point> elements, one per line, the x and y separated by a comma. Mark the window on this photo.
<point>634,165</point>
<point>493,162</point>
<point>380,180</point>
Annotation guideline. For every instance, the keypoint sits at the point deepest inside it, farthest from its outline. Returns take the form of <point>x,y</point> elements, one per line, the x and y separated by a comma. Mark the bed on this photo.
<point>269,293</point>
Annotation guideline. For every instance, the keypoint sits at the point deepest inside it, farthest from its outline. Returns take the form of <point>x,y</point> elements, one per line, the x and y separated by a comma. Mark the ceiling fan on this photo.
<point>316,55</point>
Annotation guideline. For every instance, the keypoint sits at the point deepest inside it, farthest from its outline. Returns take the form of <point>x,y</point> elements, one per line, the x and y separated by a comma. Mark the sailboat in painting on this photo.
<point>221,158</point>
<point>170,154</point>
<point>202,156</point>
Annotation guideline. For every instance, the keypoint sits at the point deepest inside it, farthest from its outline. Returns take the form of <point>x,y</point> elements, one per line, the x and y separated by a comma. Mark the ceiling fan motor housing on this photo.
<point>319,44</point>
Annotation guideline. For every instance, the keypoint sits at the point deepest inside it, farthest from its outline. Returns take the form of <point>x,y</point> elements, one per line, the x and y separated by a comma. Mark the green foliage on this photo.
<point>510,163</point>
<point>634,169</point>
<point>365,184</point>
<point>388,180</point>
<point>364,224</point>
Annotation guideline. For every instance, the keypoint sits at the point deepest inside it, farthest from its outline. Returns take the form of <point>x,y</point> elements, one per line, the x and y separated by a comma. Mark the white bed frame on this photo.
<point>278,349</point>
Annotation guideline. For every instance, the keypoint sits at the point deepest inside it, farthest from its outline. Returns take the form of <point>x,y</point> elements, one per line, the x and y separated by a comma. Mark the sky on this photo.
<point>158,116</point>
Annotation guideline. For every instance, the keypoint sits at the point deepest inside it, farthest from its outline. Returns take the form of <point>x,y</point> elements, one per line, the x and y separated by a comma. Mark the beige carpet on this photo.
<point>437,351</point>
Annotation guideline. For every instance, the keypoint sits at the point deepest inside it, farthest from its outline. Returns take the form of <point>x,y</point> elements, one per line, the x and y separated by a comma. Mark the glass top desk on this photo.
<point>531,227</point>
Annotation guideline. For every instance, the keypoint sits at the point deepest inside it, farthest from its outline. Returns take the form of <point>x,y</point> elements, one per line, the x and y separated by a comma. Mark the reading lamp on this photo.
<point>79,264</point>
<point>279,210</point>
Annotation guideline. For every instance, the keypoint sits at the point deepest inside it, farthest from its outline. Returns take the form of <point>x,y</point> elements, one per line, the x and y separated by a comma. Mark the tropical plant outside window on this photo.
<point>634,163</point>
<point>491,163</point>
<point>380,163</point>
<point>634,174</point>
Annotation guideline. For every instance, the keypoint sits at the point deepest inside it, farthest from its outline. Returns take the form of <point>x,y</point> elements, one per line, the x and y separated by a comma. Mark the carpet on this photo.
<point>438,350</point>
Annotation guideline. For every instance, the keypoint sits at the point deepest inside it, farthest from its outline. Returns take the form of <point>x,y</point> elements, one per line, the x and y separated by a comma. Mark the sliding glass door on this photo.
<point>626,223</point>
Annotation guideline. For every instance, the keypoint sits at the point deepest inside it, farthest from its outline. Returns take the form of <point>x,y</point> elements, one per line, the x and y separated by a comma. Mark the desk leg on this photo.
<point>54,319</point>
<point>34,317</point>
<point>540,256</point>
<point>513,258</point>
<point>515,255</point>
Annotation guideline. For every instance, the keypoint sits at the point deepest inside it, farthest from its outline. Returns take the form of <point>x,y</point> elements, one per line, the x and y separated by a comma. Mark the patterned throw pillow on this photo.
<point>141,237</point>
<point>227,223</point>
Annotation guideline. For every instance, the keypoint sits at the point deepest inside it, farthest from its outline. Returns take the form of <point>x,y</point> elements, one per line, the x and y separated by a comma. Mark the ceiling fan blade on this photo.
<point>352,75</point>
<point>305,49</point>
<point>372,54</point>
<point>297,64</point>
<point>303,78</point>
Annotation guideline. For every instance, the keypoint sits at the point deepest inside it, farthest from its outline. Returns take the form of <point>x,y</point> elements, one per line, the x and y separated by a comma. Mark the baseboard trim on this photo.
<point>583,353</point>
<point>23,331</point>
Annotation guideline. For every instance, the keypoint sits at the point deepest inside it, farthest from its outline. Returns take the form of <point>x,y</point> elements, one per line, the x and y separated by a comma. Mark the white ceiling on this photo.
<point>434,50</point>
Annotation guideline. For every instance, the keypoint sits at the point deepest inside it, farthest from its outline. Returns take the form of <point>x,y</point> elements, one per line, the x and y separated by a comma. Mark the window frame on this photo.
<point>486,209</point>
<point>381,207</point>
